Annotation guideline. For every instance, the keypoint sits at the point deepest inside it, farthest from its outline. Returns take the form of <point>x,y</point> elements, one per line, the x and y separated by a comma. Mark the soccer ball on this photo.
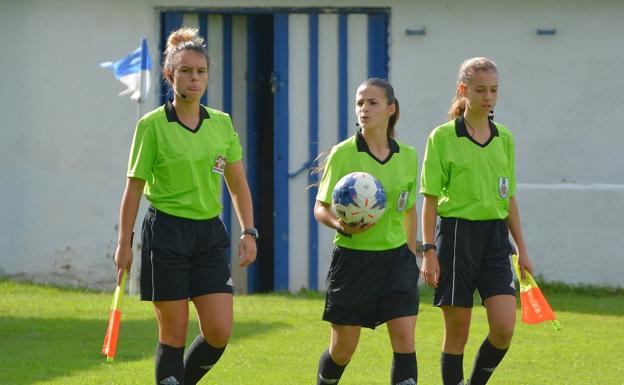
<point>359,197</point>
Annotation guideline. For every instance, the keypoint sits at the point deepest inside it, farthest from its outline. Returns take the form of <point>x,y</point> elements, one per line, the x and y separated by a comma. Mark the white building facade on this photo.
<point>287,72</point>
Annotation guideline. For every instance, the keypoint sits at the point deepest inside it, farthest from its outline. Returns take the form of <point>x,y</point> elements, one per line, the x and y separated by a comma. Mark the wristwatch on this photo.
<point>428,246</point>
<point>250,231</point>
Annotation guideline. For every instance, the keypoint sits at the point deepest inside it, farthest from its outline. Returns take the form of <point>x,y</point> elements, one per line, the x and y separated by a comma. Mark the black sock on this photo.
<point>488,358</point>
<point>404,369</point>
<point>329,372</point>
<point>169,365</point>
<point>452,366</point>
<point>199,359</point>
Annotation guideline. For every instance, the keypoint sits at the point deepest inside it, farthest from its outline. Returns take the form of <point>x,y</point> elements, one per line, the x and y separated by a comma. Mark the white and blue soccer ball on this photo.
<point>359,197</point>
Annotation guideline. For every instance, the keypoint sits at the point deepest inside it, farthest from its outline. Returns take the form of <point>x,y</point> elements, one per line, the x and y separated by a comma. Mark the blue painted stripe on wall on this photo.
<point>203,32</point>
<point>169,22</point>
<point>343,115</point>
<point>280,157</point>
<point>313,150</point>
<point>378,45</point>
<point>227,107</point>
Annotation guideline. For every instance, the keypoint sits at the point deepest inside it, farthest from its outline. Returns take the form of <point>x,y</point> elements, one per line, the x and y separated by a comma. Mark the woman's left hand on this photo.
<point>246,250</point>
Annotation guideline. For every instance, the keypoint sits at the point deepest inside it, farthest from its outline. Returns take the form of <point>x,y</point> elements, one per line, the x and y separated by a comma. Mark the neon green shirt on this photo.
<point>472,181</point>
<point>397,174</point>
<point>183,168</point>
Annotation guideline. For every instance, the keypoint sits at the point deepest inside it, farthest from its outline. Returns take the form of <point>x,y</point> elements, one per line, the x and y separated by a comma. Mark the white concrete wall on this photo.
<point>560,95</point>
<point>65,134</point>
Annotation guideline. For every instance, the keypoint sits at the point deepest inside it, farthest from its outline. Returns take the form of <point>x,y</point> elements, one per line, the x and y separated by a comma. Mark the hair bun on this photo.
<point>184,35</point>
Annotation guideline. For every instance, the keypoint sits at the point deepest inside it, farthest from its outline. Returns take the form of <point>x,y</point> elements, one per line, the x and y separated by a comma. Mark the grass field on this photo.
<point>54,336</point>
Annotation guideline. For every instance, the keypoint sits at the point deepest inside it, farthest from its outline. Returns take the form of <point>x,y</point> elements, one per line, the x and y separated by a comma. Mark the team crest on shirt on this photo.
<point>503,187</point>
<point>402,201</point>
<point>219,165</point>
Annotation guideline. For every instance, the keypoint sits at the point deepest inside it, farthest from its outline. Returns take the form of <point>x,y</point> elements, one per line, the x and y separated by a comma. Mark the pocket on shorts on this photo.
<point>223,238</point>
<point>409,273</point>
<point>337,271</point>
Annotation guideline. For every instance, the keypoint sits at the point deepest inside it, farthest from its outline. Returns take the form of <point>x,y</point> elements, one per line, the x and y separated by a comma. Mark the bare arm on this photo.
<point>241,199</point>
<point>410,224</point>
<point>127,216</point>
<point>430,269</point>
<point>513,222</point>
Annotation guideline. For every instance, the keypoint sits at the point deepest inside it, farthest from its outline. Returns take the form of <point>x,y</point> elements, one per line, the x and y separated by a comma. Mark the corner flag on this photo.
<point>535,308</point>
<point>112,331</point>
<point>133,71</point>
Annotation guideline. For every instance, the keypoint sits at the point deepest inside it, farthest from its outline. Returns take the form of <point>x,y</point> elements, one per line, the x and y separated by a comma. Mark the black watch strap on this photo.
<point>428,246</point>
<point>251,231</point>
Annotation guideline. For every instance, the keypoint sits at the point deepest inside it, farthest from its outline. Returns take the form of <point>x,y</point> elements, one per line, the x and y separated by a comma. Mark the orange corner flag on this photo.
<point>110,339</point>
<point>535,308</point>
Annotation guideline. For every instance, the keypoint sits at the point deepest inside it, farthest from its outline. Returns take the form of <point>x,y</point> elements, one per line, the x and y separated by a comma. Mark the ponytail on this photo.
<point>458,106</point>
<point>393,119</point>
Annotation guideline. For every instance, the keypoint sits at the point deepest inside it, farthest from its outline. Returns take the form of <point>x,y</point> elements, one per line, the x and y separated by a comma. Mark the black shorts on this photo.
<point>472,255</point>
<point>183,258</point>
<point>368,288</point>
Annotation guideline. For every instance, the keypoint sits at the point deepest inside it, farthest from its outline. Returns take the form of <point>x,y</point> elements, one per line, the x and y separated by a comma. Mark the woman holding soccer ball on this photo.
<point>373,278</point>
<point>179,155</point>
<point>468,181</point>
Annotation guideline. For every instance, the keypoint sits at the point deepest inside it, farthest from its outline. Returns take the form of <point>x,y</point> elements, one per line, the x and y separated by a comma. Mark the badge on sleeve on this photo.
<point>503,187</point>
<point>219,165</point>
<point>402,201</point>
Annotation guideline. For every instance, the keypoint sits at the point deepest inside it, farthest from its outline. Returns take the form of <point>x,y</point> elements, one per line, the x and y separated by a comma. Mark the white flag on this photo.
<point>133,71</point>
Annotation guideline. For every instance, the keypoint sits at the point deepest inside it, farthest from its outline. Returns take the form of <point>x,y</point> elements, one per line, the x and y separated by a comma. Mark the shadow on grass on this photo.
<point>37,349</point>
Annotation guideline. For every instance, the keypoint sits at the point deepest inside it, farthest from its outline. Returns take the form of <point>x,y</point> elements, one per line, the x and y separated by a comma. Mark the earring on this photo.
<point>491,115</point>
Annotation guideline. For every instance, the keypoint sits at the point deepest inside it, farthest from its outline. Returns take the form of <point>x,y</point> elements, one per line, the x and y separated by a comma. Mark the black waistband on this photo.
<point>483,221</point>
<point>161,214</point>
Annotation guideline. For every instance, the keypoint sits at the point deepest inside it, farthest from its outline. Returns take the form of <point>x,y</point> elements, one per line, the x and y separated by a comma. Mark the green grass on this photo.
<point>54,336</point>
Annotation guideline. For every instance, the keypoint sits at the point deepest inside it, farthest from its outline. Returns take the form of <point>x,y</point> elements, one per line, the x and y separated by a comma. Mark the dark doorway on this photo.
<point>260,145</point>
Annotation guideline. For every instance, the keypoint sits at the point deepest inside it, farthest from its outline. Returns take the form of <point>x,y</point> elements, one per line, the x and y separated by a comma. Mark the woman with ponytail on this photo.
<point>468,180</point>
<point>373,278</point>
<point>179,155</point>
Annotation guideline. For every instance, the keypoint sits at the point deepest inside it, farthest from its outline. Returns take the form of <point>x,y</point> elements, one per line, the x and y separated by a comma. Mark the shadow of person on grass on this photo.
<point>41,349</point>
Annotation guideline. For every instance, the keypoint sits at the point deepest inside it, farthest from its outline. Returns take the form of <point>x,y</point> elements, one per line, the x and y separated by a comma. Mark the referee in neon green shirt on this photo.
<point>468,180</point>
<point>373,278</point>
<point>179,155</point>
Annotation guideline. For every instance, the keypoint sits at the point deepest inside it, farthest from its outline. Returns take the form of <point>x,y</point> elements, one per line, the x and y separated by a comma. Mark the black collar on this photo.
<point>172,116</point>
<point>461,130</point>
<point>362,146</point>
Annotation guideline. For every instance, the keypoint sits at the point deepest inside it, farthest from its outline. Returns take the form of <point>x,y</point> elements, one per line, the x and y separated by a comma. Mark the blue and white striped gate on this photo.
<point>288,78</point>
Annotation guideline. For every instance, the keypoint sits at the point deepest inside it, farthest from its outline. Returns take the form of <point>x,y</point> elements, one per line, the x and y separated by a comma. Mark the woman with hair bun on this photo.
<point>180,153</point>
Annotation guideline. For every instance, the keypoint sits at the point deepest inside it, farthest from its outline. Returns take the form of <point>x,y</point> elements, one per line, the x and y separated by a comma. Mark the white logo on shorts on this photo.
<point>230,282</point>
<point>169,381</point>
<point>409,381</point>
<point>512,285</point>
<point>328,380</point>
